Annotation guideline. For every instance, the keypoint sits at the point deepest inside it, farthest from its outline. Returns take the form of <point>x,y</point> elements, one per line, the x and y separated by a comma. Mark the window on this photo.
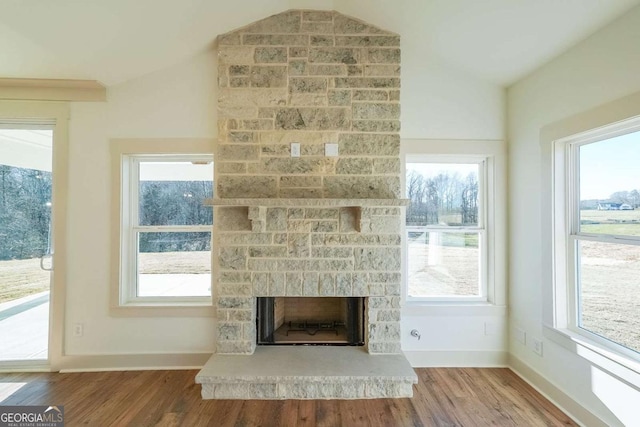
<point>599,176</point>
<point>454,247</point>
<point>445,226</point>
<point>165,233</point>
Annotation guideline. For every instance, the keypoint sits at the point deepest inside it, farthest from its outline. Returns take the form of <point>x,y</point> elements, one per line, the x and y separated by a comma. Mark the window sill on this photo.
<point>204,309</point>
<point>621,367</point>
<point>449,308</point>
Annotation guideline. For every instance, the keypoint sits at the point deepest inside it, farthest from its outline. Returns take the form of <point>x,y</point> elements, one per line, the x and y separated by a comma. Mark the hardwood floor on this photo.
<point>443,397</point>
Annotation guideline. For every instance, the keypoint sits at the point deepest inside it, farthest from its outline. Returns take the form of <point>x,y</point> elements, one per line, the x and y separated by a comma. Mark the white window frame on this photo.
<point>554,220</point>
<point>485,165</point>
<point>492,224</point>
<point>131,228</point>
<point>122,265</point>
<point>566,190</point>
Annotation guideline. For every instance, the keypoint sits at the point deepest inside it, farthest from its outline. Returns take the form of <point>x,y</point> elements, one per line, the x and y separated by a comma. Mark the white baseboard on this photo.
<point>566,403</point>
<point>133,362</point>
<point>457,359</point>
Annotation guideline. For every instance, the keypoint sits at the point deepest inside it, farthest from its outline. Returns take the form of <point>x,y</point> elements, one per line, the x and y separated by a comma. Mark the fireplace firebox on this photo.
<point>310,321</point>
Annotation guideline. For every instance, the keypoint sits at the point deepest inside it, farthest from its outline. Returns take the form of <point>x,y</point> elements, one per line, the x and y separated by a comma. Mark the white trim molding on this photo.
<point>52,90</point>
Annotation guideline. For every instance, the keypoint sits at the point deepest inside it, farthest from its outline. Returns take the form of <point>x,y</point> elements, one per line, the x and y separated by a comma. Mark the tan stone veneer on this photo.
<point>313,225</point>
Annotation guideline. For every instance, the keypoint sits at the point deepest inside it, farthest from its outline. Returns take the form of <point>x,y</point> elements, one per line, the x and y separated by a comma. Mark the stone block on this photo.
<point>324,226</point>
<point>326,252</point>
<point>317,16</point>
<point>313,119</point>
<point>370,95</point>
<point>236,136</point>
<point>362,41</point>
<point>358,187</point>
<point>391,70</point>
<point>231,167</point>
<point>379,302</point>
<point>279,238</point>
<point>239,315</point>
<point>238,152</point>
<point>385,277</point>
<point>239,70</point>
<point>233,290</point>
<point>234,277</point>
<point>327,69</point>
<point>307,85</point>
<point>275,39</point>
<point>229,331</point>
<point>256,124</point>
<point>235,302</point>
<point>233,258</point>
<point>249,331</point>
<point>376,111</point>
<point>251,98</point>
<point>339,97</point>
<point>296,166</point>
<point>232,218</point>
<point>333,55</point>
<point>345,25</point>
<point>286,22</point>
<point>301,193</point>
<point>287,137</point>
<point>392,290</point>
<point>321,213</point>
<point>367,82</point>
<point>394,95</point>
<point>235,347</point>
<point>299,181</point>
<point>237,55</point>
<point>308,99</point>
<point>354,166</point>
<point>384,331</point>
<point>376,126</point>
<point>239,82</point>
<point>267,252</point>
<point>321,40</point>
<point>327,285</point>
<point>358,144</point>
<point>229,39</point>
<point>276,219</point>
<point>297,67</point>
<point>268,76</point>
<point>310,284</point>
<point>246,186</point>
<point>294,284</point>
<point>277,284</point>
<point>270,54</point>
<point>298,226</point>
<point>382,55</point>
<point>388,316</point>
<point>298,52</point>
<point>262,264</point>
<point>384,224</point>
<point>298,245</point>
<point>257,213</point>
<point>354,70</point>
<point>377,259</point>
<point>295,213</point>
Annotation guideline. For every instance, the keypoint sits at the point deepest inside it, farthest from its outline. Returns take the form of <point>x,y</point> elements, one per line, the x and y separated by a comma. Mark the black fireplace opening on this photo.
<point>310,321</point>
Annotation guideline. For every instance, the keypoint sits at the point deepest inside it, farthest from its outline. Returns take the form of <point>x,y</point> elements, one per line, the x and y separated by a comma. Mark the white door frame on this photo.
<point>58,113</point>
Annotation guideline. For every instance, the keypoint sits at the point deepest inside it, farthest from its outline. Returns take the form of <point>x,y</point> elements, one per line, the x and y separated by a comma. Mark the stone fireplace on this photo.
<point>307,202</point>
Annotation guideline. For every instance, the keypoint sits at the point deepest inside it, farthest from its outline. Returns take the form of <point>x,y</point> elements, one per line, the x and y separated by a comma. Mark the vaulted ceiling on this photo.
<point>113,41</point>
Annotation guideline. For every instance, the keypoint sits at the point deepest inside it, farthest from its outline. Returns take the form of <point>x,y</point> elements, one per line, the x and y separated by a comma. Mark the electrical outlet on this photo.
<point>520,335</point>
<point>537,346</point>
<point>331,150</point>
<point>78,329</point>
<point>295,149</point>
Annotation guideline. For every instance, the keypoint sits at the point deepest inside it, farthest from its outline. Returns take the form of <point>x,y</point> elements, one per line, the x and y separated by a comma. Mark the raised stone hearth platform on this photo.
<point>307,372</point>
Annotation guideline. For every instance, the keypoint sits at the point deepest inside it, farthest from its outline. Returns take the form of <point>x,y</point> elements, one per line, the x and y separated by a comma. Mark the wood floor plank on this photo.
<point>444,397</point>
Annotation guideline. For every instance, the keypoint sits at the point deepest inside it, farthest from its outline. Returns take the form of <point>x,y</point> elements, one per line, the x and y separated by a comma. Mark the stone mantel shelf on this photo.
<point>307,202</point>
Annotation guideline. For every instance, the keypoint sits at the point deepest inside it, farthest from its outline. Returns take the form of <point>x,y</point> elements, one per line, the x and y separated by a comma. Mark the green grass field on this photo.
<point>610,222</point>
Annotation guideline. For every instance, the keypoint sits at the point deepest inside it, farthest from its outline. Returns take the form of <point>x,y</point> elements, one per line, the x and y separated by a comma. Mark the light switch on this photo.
<point>331,150</point>
<point>295,149</point>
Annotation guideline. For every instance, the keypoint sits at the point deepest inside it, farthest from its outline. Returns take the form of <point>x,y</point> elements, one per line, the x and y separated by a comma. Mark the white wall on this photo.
<point>438,101</point>
<point>602,68</point>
